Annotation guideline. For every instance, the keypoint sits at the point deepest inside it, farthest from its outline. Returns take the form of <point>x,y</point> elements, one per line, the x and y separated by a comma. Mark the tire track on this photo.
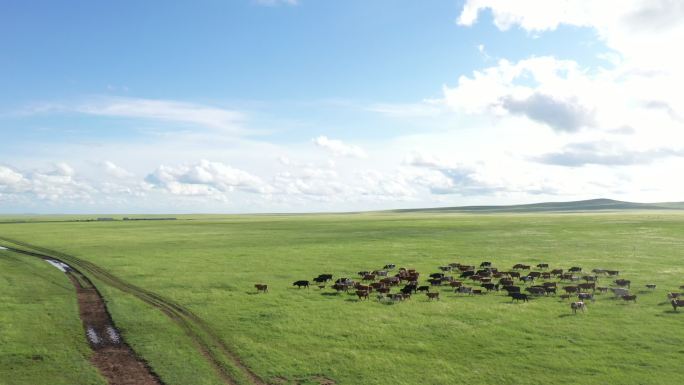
<point>223,360</point>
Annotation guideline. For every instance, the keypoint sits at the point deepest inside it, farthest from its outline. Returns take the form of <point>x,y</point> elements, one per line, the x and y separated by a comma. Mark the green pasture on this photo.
<point>210,264</point>
<point>41,336</point>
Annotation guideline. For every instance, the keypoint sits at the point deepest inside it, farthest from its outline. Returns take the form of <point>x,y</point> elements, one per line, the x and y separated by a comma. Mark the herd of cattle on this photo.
<point>520,283</point>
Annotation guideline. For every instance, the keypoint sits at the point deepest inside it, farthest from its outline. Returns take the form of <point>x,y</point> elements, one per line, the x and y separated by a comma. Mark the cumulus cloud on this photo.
<point>339,148</point>
<point>205,178</point>
<point>116,171</point>
<point>447,177</point>
<point>605,153</point>
<point>561,115</point>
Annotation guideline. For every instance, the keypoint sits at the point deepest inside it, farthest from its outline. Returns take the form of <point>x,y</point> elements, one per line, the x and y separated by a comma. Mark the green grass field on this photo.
<point>210,263</point>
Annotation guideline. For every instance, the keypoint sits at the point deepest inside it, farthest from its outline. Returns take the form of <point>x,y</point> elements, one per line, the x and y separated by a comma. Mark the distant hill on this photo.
<point>579,206</point>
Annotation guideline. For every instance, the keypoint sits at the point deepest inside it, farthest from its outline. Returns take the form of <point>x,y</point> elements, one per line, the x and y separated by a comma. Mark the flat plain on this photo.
<point>209,264</point>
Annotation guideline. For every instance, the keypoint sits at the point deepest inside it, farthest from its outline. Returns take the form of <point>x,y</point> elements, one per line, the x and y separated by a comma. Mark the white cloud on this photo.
<point>205,178</point>
<point>339,148</point>
<point>116,171</point>
<point>192,115</point>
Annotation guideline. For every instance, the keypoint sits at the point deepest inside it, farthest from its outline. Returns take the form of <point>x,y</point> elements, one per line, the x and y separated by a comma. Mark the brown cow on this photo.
<point>651,286</point>
<point>362,294</point>
<point>623,282</point>
<point>629,297</point>
<point>602,289</point>
<point>557,272</point>
<point>369,277</point>
<point>571,289</point>
<point>261,288</point>
<point>587,286</point>
<point>677,303</point>
<point>432,296</point>
<point>455,284</point>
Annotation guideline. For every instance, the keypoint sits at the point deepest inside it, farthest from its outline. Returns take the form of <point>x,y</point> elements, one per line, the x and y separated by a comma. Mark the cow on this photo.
<point>445,268</point>
<point>598,271</point>
<point>432,296</point>
<point>579,305</point>
<point>467,274</point>
<point>673,295</point>
<point>589,278</point>
<point>564,296</point>
<point>622,282</point>
<point>436,275</point>
<point>320,280</point>
<point>557,272</point>
<point>506,282</point>
<point>423,288</point>
<point>549,290</point>
<point>536,290</point>
<point>587,286</point>
<point>362,294</point>
<point>602,289</point>
<point>384,290</point>
<point>380,273</point>
<point>512,289</point>
<point>527,279</point>
<point>301,284</point>
<point>518,266</point>
<point>542,266</point>
<point>534,274</point>
<point>677,303</point>
<point>651,286</point>
<point>261,288</point>
<point>619,292</point>
<point>612,273</point>
<point>490,286</point>
<point>362,273</point>
<point>629,297</point>
<point>389,266</point>
<point>514,274</point>
<point>399,296</point>
<point>407,289</point>
<point>585,296</point>
<point>340,287</point>
<point>369,277</point>
<point>484,273</point>
<point>344,281</point>
<point>485,264</point>
<point>575,269</point>
<point>464,290</point>
<point>466,268</point>
<point>377,285</point>
<point>435,282</point>
<point>455,264</point>
<point>455,284</point>
<point>546,275</point>
<point>571,289</point>
<point>327,277</point>
<point>519,296</point>
<point>361,287</point>
<point>549,284</point>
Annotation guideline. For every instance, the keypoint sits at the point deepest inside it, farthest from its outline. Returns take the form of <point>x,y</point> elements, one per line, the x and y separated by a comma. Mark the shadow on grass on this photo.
<point>567,315</point>
<point>328,294</point>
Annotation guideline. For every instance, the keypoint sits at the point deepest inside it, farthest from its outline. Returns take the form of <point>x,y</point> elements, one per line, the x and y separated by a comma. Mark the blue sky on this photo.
<point>255,106</point>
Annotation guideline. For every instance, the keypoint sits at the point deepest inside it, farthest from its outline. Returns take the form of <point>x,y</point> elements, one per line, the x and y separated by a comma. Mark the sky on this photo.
<point>247,106</point>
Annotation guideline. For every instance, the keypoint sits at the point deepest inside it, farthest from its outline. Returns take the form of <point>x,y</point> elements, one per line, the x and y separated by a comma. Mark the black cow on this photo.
<point>301,284</point>
<point>512,289</point>
<point>490,286</point>
<point>436,275</point>
<point>389,266</point>
<point>518,297</point>
<point>467,274</point>
<point>423,288</point>
<point>328,277</point>
<point>485,264</point>
<point>320,280</point>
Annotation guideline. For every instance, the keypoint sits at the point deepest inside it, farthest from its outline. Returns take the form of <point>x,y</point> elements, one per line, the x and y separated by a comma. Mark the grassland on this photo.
<point>209,264</point>
<point>41,337</point>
